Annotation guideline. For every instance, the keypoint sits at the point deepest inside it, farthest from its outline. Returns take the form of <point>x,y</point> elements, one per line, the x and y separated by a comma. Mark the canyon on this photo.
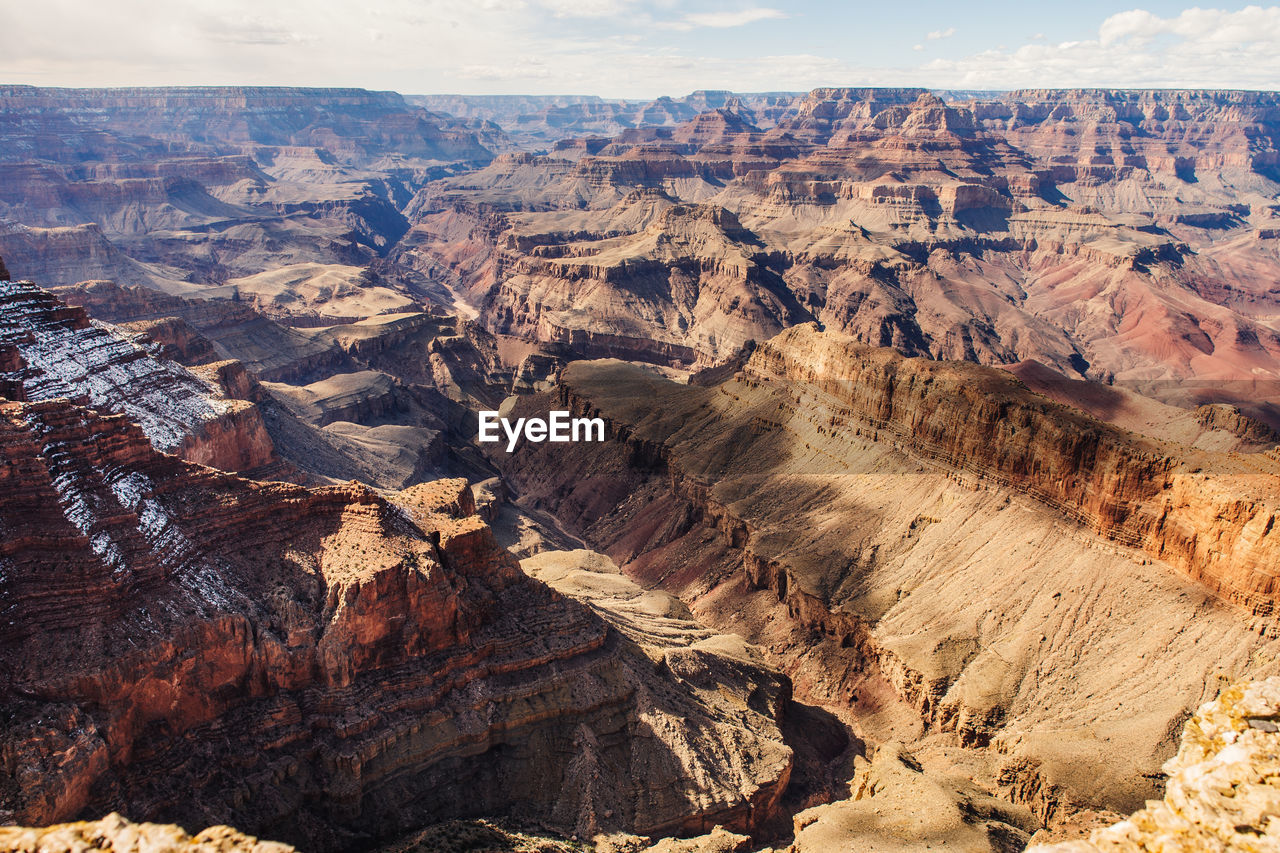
<point>937,491</point>
<point>330,666</point>
<point>1104,234</point>
<point>882,526</point>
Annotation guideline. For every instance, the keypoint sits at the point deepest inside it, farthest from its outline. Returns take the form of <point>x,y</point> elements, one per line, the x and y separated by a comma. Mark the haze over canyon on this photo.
<point>934,507</point>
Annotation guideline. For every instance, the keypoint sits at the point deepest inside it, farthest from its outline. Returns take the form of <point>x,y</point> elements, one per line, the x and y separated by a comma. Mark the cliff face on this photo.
<point>352,122</point>
<point>325,667</point>
<point>181,188</point>
<point>375,400</point>
<point>931,545</point>
<point>534,122</point>
<point>56,351</point>
<point>65,255</point>
<point>235,330</point>
<point>1212,517</point>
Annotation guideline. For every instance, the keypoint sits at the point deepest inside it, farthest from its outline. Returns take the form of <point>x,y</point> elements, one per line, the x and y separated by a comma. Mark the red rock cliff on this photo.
<point>1212,515</point>
<point>321,666</point>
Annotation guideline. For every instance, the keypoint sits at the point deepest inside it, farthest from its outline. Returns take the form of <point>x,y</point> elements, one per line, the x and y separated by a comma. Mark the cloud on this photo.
<point>520,71</point>
<point>619,48</point>
<point>249,31</point>
<point>724,20</point>
<point>1197,48</point>
<point>941,34</point>
<point>586,8</point>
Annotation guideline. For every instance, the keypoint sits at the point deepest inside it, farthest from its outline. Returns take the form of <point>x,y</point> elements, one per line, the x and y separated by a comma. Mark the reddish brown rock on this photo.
<point>322,666</point>
<point>58,352</point>
<point>995,231</point>
<point>1134,491</point>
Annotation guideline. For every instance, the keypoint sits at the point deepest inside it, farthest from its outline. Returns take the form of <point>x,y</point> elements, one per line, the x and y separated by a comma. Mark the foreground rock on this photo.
<point>114,834</point>
<point>897,807</point>
<point>1223,792</point>
<point>328,668</point>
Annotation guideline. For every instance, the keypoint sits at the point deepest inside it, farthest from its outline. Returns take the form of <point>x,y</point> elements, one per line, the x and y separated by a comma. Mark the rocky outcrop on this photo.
<point>1221,791</point>
<point>1232,420</point>
<point>114,834</point>
<point>896,804</point>
<point>533,122</point>
<point>65,255</point>
<point>352,123</point>
<point>232,329</point>
<point>58,352</point>
<point>184,188</point>
<point>325,667</point>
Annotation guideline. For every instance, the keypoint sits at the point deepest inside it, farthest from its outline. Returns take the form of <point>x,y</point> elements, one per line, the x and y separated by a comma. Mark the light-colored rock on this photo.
<point>1223,791</point>
<point>114,834</point>
<point>916,542</point>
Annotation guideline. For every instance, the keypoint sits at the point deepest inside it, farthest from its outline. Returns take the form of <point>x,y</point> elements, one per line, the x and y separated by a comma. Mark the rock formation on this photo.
<point>203,330</point>
<point>352,123</point>
<point>896,805</point>
<point>931,544</point>
<point>1118,485</point>
<point>1221,793</point>
<point>114,834</point>
<point>1026,226</point>
<point>1011,585</point>
<point>328,668</point>
<point>54,351</point>
<point>534,122</point>
<point>179,187</point>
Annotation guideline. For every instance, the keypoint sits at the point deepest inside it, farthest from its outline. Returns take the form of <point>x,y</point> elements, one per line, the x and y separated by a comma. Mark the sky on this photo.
<point>636,48</point>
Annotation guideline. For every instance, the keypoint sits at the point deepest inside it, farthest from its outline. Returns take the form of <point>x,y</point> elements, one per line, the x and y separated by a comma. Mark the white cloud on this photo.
<point>586,8</point>
<point>249,31</point>
<point>941,34</point>
<point>724,20</point>
<point>503,72</point>
<point>1198,48</point>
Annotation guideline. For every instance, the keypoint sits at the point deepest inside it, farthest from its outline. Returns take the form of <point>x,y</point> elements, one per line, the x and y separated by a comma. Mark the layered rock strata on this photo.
<point>328,668</point>
<point>54,350</point>
<point>930,544</point>
<point>1209,514</point>
<point>1105,234</point>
